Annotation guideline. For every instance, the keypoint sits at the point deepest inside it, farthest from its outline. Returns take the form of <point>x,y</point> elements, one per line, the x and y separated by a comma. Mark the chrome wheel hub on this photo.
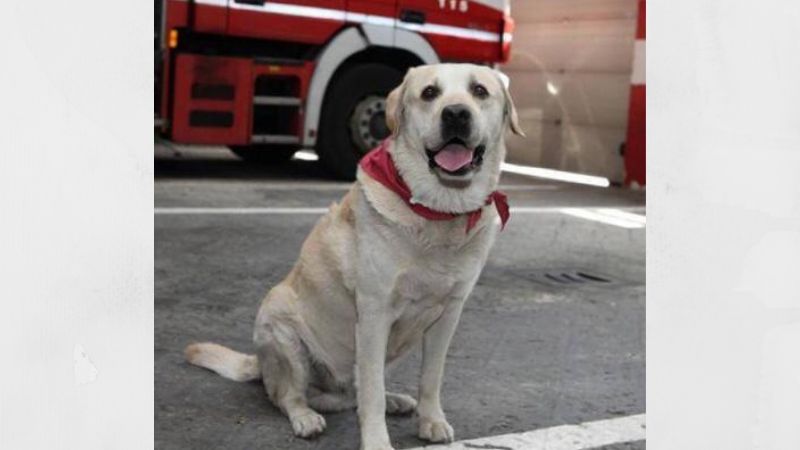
<point>368,123</point>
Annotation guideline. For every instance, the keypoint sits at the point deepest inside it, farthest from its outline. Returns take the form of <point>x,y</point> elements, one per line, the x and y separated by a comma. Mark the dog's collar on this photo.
<point>378,164</point>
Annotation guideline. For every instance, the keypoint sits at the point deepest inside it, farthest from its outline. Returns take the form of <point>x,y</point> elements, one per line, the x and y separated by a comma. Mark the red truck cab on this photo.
<point>266,78</point>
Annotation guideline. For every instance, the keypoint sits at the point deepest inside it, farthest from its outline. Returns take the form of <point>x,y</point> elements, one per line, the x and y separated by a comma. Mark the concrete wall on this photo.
<point>570,77</point>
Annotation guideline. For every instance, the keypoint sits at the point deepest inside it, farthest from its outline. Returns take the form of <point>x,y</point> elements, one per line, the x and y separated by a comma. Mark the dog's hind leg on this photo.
<point>400,404</point>
<point>284,368</point>
<point>328,393</point>
<point>332,401</point>
<point>284,364</point>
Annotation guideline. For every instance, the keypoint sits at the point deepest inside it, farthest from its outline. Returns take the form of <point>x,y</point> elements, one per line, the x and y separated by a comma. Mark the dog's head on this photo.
<point>448,123</point>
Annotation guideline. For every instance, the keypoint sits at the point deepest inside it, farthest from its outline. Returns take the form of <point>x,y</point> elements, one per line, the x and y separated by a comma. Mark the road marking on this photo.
<point>611,216</point>
<point>528,187</point>
<point>180,210</point>
<point>565,437</point>
<point>236,211</point>
<point>295,186</point>
<point>552,174</point>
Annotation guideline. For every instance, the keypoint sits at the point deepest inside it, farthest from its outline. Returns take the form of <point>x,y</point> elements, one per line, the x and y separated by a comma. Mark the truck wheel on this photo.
<point>353,119</point>
<point>265,154</point>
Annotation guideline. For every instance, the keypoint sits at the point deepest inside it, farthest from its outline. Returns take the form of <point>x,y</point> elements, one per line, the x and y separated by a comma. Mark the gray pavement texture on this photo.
<point>635,445</point>
<point>527,354</point>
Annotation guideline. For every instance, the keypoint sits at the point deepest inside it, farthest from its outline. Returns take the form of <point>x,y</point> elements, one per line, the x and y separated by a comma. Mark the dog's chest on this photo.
<point>441,263</point>
<point>419,282</point>
<point>421,294</point>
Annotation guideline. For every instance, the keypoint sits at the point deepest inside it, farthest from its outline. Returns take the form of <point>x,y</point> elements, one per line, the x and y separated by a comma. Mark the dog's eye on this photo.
<point>430,93</point>
<point>479,90</point>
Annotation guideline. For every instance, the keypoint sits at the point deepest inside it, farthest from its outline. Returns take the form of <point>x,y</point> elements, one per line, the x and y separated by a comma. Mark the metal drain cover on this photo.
<point>570,277</point>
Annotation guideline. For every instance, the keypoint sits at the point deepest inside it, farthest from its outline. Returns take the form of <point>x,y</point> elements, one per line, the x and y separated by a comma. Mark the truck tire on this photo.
<point>353,119</point>
<point>264,154</point>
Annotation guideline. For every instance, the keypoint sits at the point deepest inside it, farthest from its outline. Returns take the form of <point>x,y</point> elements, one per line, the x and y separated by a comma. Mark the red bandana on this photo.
<point>379,165</point>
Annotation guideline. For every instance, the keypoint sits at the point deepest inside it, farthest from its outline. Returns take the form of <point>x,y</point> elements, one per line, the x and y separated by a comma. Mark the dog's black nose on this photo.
<point>456,121</point>
<point>456,115</point>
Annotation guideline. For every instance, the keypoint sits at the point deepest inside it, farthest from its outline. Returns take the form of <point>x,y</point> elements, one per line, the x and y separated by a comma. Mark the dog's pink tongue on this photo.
<point>453,157</point>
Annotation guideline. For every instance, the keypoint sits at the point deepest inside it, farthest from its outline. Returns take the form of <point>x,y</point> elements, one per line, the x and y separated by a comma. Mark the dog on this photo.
<point>390,266</point>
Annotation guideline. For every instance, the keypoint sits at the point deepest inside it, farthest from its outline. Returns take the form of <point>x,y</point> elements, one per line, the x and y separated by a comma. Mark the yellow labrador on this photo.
<point>381,272</point>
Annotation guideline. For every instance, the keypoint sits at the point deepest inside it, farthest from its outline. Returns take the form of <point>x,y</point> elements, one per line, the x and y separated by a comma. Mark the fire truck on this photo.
<point>266,78</point>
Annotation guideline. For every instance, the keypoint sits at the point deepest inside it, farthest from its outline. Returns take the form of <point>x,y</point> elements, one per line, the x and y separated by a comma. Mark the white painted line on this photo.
<point>560,209</point>
<point>237,211</point>
<point>625,215</point>
<point>565,437</point>
<point>552,174</point>
<point>180,210</point>
<point>528,187</point>
<point>301,186</point>
<point>610,216</point>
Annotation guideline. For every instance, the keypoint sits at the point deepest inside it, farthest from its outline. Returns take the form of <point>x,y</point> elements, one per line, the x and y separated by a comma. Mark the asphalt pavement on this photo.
<point>553,334</point>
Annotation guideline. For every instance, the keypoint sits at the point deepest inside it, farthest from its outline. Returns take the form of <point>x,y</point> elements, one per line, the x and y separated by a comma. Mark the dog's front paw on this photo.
<point>308,425</point>
<point>435,430</point>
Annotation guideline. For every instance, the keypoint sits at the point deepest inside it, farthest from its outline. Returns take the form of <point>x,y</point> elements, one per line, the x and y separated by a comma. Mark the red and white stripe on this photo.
<point>635,146</point>
<point>313,12</point>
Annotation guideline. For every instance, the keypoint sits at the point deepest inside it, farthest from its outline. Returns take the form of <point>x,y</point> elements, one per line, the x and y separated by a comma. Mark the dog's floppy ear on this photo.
<point>510,110</point>
<point>394,107</point>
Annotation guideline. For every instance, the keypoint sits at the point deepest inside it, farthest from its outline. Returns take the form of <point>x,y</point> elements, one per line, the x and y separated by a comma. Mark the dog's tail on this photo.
<point>226,362</point>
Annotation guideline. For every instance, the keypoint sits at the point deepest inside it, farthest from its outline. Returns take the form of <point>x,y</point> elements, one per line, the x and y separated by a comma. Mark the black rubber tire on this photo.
<point>265,154</point>
<point>335,146</point>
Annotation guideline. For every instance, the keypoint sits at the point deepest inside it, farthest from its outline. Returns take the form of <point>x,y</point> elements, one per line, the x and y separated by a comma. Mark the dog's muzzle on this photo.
<point>454,156</point>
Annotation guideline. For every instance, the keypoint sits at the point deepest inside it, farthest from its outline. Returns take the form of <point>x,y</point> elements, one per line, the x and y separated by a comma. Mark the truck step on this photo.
<point>276,101</point>
<point>274,139</point>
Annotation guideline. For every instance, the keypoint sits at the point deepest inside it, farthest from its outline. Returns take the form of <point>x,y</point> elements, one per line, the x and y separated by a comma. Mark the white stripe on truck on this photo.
<point>314,12</point>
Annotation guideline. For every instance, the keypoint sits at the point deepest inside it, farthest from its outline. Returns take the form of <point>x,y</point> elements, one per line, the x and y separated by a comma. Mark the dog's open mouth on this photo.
<point>455,157</point>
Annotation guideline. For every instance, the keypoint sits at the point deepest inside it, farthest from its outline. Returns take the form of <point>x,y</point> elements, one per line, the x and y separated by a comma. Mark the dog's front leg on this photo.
<point>433,425</point>
<point>372,332</point>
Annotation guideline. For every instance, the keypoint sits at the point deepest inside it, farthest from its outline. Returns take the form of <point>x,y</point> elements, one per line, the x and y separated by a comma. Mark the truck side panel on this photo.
<point>213,99</point>
<point>210,18</point>
<point>375,8</point>
<point>312,21</point>
<point>459,30</point>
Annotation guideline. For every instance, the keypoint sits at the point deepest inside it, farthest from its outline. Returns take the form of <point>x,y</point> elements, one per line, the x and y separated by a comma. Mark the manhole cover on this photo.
<point>570,277</point>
